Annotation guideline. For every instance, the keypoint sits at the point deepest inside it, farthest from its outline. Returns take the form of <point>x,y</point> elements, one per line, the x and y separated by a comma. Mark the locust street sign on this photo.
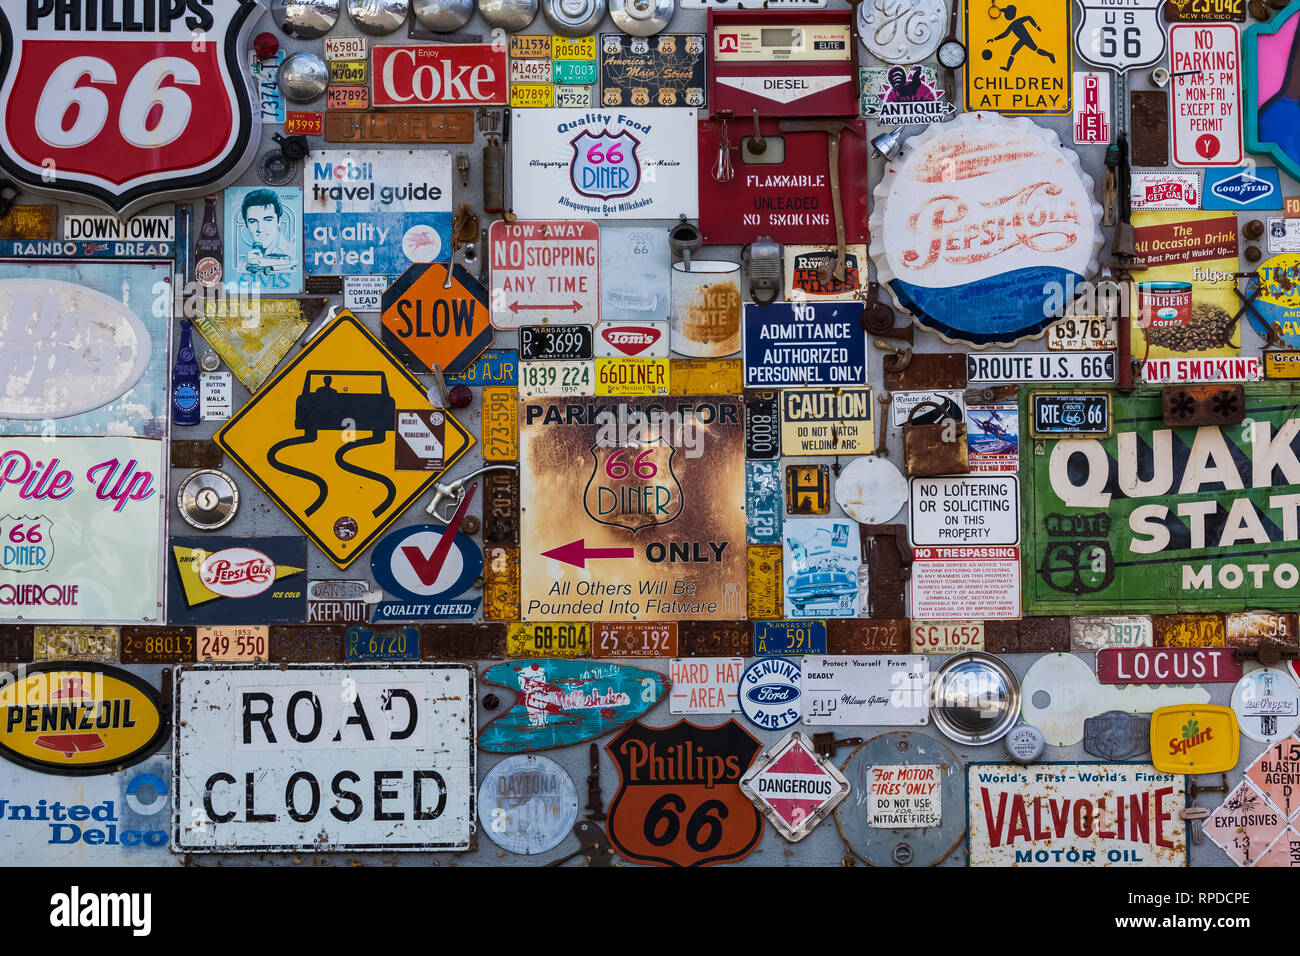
<point>1120,34</point>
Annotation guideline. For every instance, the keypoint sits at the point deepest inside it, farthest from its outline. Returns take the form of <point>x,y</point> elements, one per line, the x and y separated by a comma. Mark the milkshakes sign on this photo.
<point>1157,519</point>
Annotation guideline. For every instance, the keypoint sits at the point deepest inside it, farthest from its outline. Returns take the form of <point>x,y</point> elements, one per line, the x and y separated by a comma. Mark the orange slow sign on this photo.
<point>79,720</point>
<point>1201,738</point>
<point>429,321</point>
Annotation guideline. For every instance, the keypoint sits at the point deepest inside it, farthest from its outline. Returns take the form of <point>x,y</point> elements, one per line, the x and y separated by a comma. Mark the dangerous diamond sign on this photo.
<point>794,787</point>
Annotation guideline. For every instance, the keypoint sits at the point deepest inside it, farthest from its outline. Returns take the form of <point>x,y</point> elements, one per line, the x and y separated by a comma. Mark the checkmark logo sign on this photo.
<point>428,569</point>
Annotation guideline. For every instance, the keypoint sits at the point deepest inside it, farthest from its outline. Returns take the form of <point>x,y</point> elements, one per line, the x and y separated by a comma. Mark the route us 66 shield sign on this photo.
<point>123,104</point>
<point>679,801</point>
<point>1120,34</point>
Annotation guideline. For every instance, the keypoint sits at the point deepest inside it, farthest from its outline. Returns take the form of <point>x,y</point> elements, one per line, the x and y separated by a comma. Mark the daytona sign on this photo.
<point>124,104</point>
<point>426,75</point>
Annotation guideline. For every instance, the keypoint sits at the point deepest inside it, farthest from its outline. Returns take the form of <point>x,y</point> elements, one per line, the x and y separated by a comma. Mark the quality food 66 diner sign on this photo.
<point>122,103</point>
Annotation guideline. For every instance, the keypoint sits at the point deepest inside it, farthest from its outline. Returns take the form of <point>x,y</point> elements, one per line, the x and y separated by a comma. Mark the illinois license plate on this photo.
<point>556,379</point>
<point>232,643</point>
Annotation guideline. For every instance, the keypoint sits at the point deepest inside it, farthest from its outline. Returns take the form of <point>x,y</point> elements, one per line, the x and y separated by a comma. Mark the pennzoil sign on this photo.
<point>79,720</point>
<point>121,104</point>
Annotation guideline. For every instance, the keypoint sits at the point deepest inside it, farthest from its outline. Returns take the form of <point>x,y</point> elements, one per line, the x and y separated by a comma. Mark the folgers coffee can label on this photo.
<point>706,308</point>
<point>1164,305</point>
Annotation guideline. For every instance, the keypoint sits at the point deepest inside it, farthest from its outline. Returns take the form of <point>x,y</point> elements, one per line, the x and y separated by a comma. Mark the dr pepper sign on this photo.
<point>120,105</point>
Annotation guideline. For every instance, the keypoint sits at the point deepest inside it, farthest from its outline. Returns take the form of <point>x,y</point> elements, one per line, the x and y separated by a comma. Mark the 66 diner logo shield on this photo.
<point>123,104</point>
<point>633,486</point>
<point>679,801</point>
<point>605,166</point>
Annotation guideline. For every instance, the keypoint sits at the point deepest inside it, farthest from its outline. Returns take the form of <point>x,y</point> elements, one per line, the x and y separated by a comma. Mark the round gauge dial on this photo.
<point>952,53</point>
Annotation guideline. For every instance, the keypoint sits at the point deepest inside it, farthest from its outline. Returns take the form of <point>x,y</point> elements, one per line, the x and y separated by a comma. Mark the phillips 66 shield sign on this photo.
<point>123,104</point>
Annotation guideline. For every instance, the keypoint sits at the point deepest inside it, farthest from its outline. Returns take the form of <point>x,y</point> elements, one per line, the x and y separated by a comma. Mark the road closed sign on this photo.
<point>320,759</point>
<point>545,272</point>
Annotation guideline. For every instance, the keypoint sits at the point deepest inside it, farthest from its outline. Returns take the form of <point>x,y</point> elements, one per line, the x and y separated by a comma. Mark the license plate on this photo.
<point>526,46</point>
<point>1069,415</point>
<point>501,508</point>
<point>65,643</point>
<point>347,98</point>
<point>575,97</point>
<point>1081,333</point>
<point>983,369</point>
<point>500,424</point>
<point>636,639</point>
<point>947,637</point>
<point>300,643</point>
<point>532,95</point>
<point>789,638</point>
<point>157,645</point>
<point>345,48</point>
<point>560,639</point>
<point>766,598</point>
<point>1252,628</point>
<point>555,342</point>
<point>232,643</point>
<point>1094,633</point>
<point>877,636</point>
<point>501,584</point>
<point>303,124</point>
<point>363,644</point>
<point>348,72</point>
<point>530,71</point>
<point>764,514</point>
<point>575,72</point>
<point>1189,630</point>
<point>707,377</point>
<point>573,48</point>
<point>556,379</point>
<point>762,425</point>
<point>632,376</point>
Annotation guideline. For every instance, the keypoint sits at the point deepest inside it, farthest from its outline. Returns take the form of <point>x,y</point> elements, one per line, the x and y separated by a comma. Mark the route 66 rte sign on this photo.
<point>122,103</point>
<point>1120,34</point>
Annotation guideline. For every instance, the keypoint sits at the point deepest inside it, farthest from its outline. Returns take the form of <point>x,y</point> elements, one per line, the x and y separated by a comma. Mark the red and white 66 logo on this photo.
<point>121,103</point>
<point>605,166</point>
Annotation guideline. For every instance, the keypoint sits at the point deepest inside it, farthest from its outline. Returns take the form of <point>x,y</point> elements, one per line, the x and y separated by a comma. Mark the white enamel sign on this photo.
<point>1205,100</point>
<point>887,689</point>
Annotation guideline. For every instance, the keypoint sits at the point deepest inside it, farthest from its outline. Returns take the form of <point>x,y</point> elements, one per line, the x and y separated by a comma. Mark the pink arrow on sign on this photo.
<point>576,553</point>
<point>574,306</point>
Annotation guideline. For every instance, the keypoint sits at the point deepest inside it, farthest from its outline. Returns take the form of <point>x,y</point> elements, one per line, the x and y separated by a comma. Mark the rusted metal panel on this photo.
<point>1029,635</point>
<point>929,370</point>
<point>808,489</point>
<point>16,642</point>
<point>867,636</point>
<point>706,376</point>
<point>158,645</point>
<point>766,597</point>
<point>1193,405</point>
<point>1189,630</point>
<point>200,453</point>
<point>300,644</point>
<point>716,638</point>
<point>635,639</point>
<point>501,508</point>
<point>548,639</point>
<point>888,561</point>
<point>501,584</point>
<point>30,222</point>
<point>74,643</point>
<point>464,642</point>
<point>1149,120</point>
<point>1257,628</point>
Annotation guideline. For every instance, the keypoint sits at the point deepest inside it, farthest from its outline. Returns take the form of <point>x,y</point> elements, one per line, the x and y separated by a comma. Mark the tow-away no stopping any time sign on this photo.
<point>545,272</point>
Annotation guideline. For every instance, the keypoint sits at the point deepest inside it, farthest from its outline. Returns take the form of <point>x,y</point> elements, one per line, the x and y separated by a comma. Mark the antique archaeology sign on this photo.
<point>899,96</point>
<point>313,758</point>
<point>650,522</point>
<point>804,344</point>
<point>545,271</point>
<point>167,116</point>
<point>1075,814</point>
<point>459,74</point>
<point>1024,59</point>
<point>1206,94</point>
<point>983,255</point>
<point>794,787</point>
<point>1158,519</point>
<point>563,702</point>
<point>679,801</point>
<point>79,719</point>
<point>634,163</point>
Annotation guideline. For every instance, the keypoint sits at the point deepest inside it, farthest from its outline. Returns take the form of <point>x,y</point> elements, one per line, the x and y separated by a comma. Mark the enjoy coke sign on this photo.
<point>463,75</point>
<point>237,572</point>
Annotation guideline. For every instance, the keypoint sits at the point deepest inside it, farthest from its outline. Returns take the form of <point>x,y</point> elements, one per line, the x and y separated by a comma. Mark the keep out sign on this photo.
<point>325,758</point>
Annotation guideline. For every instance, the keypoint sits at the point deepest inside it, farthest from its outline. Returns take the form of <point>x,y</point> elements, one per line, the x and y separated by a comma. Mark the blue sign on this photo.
<point>770,690</point>
<point>803,344</point>
<point>1238,187</point>
<point>763,502</point>
<point>493,367</point>
<point>563,702</point>
<point>789,638</point>
<point>427,572</point>
<point>362,644</point>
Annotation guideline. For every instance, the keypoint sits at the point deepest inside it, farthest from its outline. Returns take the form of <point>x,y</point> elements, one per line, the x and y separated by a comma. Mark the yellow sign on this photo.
<point>501,584</point>
<point>1282,364</point>
<point>320,439</point>
<point>500,424</point>
<point>1202,738</point>
<point>1020,57</point>
<point>763,572</point>
<point>251,335</point>
<point>79,719</point>
<point>827,421</point>
<point>527,47</point>
<point>189,565</point>
<point>708,376</point>
<point>632,376</point>
<point>573,48</point>
<point>233,643</point>
<point>554,639</point>
<point>67,642</point>
<point>536,95</point>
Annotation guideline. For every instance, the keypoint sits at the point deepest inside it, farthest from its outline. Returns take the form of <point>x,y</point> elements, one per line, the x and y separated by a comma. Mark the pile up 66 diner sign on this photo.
<point>632,510</point>
<point>1158,519</point>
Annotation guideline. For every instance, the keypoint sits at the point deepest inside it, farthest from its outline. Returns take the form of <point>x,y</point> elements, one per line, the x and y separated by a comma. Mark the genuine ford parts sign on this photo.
<point>323,758</point>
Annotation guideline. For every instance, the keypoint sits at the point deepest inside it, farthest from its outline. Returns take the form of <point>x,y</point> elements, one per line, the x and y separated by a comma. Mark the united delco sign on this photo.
<point>422,75</point>
<point>1159,519</point>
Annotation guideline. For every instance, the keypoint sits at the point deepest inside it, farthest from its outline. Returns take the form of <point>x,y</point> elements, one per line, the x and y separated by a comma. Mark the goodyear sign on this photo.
<point>79,720</point>
<point>1159,519</point>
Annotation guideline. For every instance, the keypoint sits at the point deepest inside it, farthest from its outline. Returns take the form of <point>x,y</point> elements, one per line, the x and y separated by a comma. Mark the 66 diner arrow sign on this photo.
<point>123,104</point>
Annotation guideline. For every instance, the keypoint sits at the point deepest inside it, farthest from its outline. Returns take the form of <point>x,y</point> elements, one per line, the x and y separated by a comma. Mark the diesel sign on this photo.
<point>428,75</point>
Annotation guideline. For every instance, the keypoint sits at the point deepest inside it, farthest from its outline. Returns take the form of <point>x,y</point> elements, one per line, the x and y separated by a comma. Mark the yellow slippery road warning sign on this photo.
<point>1020,56</point>
<point>320,439</point>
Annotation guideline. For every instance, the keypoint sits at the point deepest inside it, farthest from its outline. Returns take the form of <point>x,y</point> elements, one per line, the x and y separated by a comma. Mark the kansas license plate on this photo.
<point>558,342</point>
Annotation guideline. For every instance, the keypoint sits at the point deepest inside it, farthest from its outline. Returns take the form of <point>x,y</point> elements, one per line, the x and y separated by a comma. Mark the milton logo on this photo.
<point>679,801</point>
<point>121,104</point>
<point>1242,189</point>
<point>605,166</point>
<point>633,486</point>
<point>83,720</point>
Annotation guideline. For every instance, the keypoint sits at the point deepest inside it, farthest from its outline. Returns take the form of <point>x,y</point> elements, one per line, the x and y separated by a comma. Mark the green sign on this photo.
<point>574,71</point>
<point>1159,519</point>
